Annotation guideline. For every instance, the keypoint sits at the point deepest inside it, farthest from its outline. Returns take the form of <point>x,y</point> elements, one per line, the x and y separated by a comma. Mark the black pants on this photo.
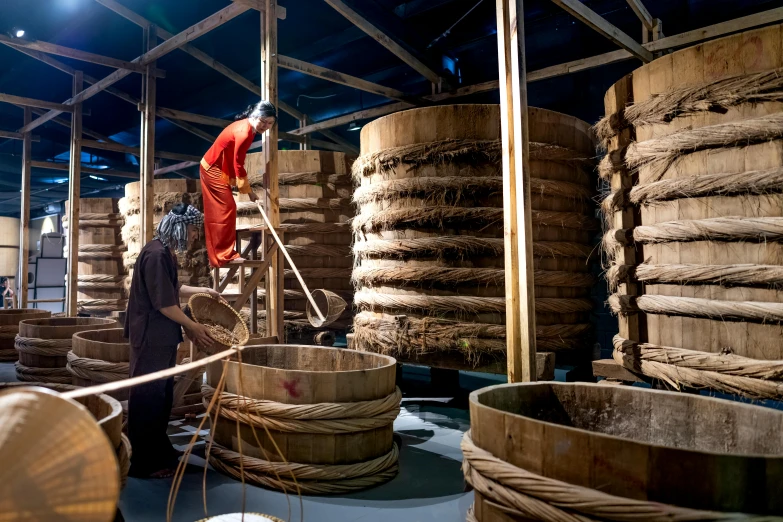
<point>149,409</point>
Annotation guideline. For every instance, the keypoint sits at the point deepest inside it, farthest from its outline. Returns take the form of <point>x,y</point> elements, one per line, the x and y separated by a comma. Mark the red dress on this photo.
<point>222,167</point>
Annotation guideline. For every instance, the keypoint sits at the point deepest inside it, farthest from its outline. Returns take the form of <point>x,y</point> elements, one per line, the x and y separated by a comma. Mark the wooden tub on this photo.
<point>686,452</point>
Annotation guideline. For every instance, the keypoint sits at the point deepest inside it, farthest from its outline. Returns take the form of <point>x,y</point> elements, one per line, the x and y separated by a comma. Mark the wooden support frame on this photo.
<point>74,193</point>
<point>642,12</point>
<point>323,73</point>
<point>518,230</point>
<point>211,22</point>
<point>85,170</point>
<point>147,144</point>
<point>30,102</point>
<point>599,24</point>
<point>17,136</point>
<point>24,213</point>
<point>386,41</point>
<point>136,151</point>
<point>59,50</point>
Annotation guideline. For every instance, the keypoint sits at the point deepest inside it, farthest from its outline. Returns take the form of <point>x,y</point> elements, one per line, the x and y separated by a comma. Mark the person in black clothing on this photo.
<point>153,324</point>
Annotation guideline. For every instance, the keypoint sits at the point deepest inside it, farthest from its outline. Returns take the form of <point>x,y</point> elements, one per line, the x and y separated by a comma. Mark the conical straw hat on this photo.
<point>55,461</point>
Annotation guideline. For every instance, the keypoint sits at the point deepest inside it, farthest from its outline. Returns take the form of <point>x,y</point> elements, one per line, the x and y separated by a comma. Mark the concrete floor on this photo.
<point>429,487</point>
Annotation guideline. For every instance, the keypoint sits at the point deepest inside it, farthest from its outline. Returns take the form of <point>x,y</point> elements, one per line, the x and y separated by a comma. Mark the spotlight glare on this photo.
<point>19,33</point>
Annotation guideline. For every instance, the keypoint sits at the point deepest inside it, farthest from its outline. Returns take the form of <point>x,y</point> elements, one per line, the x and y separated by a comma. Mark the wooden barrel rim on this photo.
<point>62,327</point>
<point>546,436</point>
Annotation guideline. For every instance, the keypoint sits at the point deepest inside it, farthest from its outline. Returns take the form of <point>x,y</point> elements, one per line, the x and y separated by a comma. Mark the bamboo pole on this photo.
<point>518,233</point>
<point>24,212</point>
<point>74,193</point>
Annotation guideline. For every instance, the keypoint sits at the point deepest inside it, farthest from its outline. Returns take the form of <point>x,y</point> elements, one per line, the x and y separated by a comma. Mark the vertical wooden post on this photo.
<point>306,145</point>
<point>74,192</point>
<point>518,234</point>
<point>274,279</point>
<point>24,212</point>
<point>147,159</point>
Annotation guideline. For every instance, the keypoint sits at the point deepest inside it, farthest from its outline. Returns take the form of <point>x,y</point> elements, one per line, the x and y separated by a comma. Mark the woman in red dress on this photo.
<point>223,167</point>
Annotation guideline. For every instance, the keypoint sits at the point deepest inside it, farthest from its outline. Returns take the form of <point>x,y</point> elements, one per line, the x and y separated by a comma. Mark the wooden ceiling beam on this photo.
<point>389,43</point>
<point>85,170</point>
<point>16,136</point>
<point>593,20</point>
<point>211,22</point>
<point>30,102</point>
<point>323,73</point>
<point>118,147</point>
<point>76,54</point>
<point>642,12</point>
<point>195,118</point>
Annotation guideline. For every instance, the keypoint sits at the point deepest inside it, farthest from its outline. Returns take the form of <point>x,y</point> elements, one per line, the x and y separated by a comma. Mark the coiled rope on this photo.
<point>96,370</point>
<point>48,375</point>
<point>520,493</point>
<point>323,418</point>
<point>42,347</point>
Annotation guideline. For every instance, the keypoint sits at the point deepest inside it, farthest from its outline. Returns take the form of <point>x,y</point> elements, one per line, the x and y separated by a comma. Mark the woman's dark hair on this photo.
<point>179,209</point>
<point>262,109</point>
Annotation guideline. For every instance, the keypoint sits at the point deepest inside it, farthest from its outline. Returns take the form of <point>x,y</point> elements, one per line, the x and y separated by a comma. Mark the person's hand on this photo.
<point>253,196</point>
<point>214,294</point>
<point>200,335</point>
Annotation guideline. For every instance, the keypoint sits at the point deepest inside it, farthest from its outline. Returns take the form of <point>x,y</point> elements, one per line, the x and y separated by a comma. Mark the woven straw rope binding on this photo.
<point>520,493</point>
<point>324,418</point>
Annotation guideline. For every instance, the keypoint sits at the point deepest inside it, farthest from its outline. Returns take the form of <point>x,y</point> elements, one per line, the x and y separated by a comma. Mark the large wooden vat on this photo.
<point>428,237</point>
<point>329,408</point>
<point>315,210</point>
<point>696,214</point>
<point>43,346</point>
<point>107,412</point>
<point>9,247</point>
<point>9,327</point>
<point>99,356</point>
<point>193,265</point>
<point>568,451</point>
<point>101,273</point>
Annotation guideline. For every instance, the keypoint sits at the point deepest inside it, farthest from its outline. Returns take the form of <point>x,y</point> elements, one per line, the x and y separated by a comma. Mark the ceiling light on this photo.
<point>97,178</point>
<point>354,127</point>
<point>19,33</point>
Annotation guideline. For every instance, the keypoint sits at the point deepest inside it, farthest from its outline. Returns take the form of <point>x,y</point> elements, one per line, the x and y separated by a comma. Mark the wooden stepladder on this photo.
<point>260,242</point>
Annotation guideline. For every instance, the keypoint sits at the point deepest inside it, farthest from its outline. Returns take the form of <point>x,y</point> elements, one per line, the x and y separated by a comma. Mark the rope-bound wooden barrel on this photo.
<point>107,412</point>
<point>43,346</point>
<point>695,215</point>
<point>565,452</point>
<point>9,327</point>
<point>99,356</point>
<point>101,273</point>
<point>428,237</point>
<point>315,211</point>
<point>193,265</point>
<point>321,415</point>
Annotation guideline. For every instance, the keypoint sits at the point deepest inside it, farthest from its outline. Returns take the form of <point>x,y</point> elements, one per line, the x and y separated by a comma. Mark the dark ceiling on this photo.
<point>313,32</point>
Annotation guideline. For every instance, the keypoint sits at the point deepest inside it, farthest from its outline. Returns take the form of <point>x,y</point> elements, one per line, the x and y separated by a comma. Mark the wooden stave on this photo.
<point>546,127</point>
<point>324,386</point>
<point>629,468</point>
<point>743,53</point>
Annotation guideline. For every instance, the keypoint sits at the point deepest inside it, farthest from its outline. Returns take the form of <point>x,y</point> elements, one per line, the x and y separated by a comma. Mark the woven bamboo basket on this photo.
<point>328,412</point>
<point>43,346</point>
<point>428,237</point>
<point>99,356</point>
<point>101,274</point>
<point>695,216</point>
<point>315,210</point>
<point>212,312</point>
<point>9,327</point>
<point>192,265</point>
<point>106,410</point>
<point>242,517</point>
<point>576,451</point>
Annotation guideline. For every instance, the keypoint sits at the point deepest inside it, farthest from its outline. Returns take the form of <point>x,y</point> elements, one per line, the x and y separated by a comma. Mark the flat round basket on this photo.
<point>225,325</point>
<point>239,517</point>
<point>329,303</point>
